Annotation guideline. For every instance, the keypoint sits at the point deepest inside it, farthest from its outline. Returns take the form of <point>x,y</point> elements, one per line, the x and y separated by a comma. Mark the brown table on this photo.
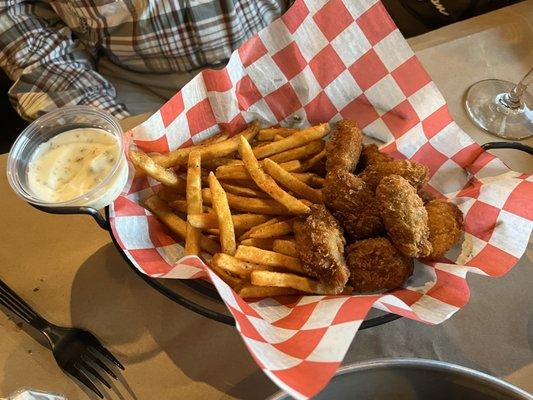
<point>68,269</point>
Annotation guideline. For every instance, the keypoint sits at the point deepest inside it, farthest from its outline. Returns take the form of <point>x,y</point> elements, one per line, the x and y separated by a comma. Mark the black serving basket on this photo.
<point>200,296</point>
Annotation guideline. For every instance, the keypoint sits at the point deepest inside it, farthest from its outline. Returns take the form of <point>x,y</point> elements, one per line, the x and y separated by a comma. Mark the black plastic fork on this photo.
<point>75,350</point>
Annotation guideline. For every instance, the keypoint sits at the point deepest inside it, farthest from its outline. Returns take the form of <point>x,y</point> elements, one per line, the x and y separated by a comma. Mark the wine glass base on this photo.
<point>484,107</point>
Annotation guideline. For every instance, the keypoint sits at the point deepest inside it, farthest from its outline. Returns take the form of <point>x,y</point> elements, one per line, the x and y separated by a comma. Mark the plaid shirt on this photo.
<point>49,48</point>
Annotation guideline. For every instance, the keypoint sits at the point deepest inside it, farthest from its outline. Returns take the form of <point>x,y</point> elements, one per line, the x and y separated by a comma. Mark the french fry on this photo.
<point>179,205</point>
<point>178,226</point>
<point>232,172</point>
<point>181,154</point>
<point>290,182</point>
<point>316,181</point>
<point>249,183</point>
<point>278,137</point>
<point>309,178</point>
<point>243,191</point>
<point>168,195</point>
<point>273,230</point>
<point>213,164</point>
<point>237,267</point>
<point>268,184</point>
<point>216,232</point>
<point>287,247</point>
<point>311,162</point>
<point>225,222</point>
<point>209,151</point>
<point>248,291</point>
<point>240,221</point>
<point>307,202</point>
<point>305,177</point>
<point>265,244</point>
<point>238,171</point>
<point>217,138</point>
<point>265,136</point>
<point>260,144</point>
<point>269,133</point>
<point>291,166</point>
<point>297,139</point>
<point>140,173</point>
<point>298,153</point>
<point>194,202</point>
<point>229,146</point>
<point>252,254</point>
<point>271,221</point>
<point>282,279</point>
<point>231,280</point>
<point>166,176</point>
<point>250,204</point>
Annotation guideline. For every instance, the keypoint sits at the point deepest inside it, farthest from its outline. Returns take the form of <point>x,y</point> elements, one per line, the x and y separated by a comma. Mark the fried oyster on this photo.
<point>375,264</point>
<point>404,216</point>
<point>371,155</point>
<point>417,174</point>
<point>344,147</point>
<point>353,204</point>
<point>445,222</point>
<point>320,245</point>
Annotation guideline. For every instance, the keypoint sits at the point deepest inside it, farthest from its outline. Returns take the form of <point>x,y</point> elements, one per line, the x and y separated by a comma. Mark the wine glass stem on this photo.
<point>512,99</point>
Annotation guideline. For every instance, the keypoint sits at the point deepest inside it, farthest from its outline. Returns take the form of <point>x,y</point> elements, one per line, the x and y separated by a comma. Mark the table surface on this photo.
<point>70,271</point>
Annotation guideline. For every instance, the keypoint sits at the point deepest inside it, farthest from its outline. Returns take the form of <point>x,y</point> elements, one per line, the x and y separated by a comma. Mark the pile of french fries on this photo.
<point>236,199</point>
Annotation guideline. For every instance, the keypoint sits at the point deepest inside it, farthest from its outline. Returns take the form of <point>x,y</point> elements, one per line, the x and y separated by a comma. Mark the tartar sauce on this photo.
<point>72,163</point>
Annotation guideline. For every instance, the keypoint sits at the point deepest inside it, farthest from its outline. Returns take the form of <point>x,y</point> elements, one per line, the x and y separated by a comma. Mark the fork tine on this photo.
<point>83,378</point>
<point>95,373</point>
<point>97,361</point>
<point>102,350</point>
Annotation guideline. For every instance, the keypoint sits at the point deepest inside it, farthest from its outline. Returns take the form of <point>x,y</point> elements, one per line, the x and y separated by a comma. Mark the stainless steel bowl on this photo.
<point>414,378</point>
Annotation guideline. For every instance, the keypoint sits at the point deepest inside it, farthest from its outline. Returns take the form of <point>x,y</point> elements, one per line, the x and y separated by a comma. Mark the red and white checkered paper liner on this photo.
<point>323,61</point>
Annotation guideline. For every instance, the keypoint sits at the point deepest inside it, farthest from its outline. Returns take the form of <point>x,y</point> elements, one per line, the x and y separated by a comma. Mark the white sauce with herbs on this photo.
<point>72,163</point>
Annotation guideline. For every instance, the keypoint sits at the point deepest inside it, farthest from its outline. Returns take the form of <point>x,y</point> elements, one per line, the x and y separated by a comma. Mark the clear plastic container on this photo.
<point>31,394</point>
<point>54,123</point>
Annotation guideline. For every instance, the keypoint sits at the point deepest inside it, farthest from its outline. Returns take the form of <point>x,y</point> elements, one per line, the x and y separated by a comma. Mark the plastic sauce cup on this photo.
<point>46,127</point>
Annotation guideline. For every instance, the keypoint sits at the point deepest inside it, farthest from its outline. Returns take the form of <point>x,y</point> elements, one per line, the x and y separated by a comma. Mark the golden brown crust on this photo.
<point>320,246</point>
<point>371,155</point>
<point>344,147</point>
<point>445,222</point>
<point>404,216</point>
<point>375,264</point>
<point>417,174</point>
<point>353,204</point>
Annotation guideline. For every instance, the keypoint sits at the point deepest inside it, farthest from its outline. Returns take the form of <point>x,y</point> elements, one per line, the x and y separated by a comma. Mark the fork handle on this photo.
<point>15,303</point>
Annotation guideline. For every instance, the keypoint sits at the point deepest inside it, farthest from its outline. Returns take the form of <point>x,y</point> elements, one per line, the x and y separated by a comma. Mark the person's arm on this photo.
<point>49,66</point>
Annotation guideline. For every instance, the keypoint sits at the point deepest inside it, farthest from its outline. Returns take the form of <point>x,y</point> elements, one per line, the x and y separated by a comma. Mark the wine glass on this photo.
<point>501,107</point>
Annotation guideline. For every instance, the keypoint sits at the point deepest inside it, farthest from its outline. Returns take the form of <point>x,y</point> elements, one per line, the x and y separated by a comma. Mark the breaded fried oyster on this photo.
<point>371,155</point>
<point>344,147</point>
<point>417,174</point>
<point>445,222</point>
<point>375,264</point>
<point>353,204</point>
<point>404,216</point>
<point>320,247</point>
